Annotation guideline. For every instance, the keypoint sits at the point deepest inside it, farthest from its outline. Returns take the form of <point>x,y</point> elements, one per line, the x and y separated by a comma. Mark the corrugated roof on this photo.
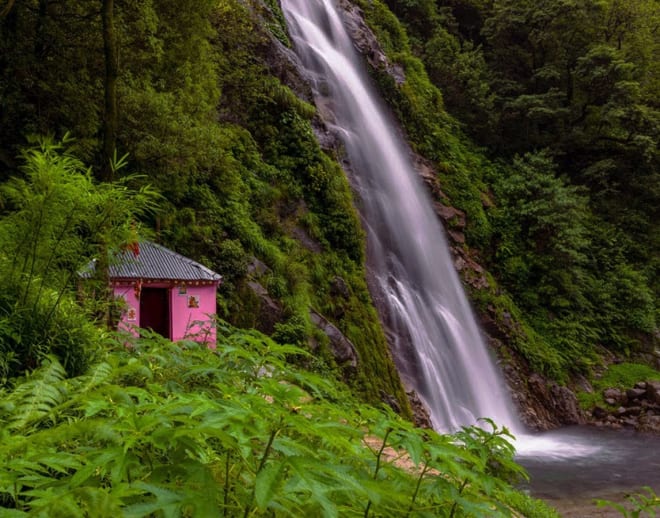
<point>157,262</point>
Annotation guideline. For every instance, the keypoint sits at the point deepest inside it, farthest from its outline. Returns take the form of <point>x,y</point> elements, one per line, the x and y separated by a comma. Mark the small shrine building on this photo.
<point>166,292</point>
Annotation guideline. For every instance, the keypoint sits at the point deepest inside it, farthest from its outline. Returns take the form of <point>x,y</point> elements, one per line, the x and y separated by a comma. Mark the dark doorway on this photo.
<point>155,310</point>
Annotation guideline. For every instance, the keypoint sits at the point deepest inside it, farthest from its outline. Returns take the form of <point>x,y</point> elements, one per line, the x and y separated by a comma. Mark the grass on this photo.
<point>622,376</point>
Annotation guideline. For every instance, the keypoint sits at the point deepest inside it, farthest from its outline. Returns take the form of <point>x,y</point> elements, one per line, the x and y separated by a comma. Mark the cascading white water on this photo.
<point>436,341</point>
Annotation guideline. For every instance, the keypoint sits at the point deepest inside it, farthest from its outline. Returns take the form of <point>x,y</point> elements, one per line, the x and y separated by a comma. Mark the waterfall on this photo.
<point>435,340</point>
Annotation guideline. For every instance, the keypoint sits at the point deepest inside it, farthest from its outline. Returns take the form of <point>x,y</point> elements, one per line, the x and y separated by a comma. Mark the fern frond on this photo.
<point>98,375</point>
<point>33,400</point>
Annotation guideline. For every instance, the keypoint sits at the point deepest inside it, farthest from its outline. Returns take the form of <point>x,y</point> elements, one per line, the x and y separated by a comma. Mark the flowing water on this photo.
<point>435,339</point>
<point>621,463</point>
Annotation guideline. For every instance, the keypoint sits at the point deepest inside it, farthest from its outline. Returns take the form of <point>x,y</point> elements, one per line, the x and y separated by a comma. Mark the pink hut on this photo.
<point>166,292</point>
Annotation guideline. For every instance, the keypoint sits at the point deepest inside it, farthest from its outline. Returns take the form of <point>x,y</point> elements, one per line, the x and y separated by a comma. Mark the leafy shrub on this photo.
<point>293,331</point>
<point>643,503</point>
<point>232,259</point>
<point>179,430</point>
<point>28,335</point>
<point>56,221</point>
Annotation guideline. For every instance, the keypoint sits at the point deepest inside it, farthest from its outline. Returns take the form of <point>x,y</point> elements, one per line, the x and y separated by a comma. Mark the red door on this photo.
<point>155,310</point>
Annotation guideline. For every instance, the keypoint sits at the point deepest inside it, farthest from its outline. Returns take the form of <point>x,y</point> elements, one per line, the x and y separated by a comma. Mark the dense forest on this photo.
<point>187,123</point>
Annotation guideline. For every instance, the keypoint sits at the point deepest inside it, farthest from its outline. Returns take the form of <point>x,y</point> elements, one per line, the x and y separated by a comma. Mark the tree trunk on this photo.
<point>110,85</point>
<point>5,10</point>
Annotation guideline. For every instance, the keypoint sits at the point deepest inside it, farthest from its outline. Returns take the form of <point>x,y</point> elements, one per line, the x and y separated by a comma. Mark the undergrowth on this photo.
<point>163,429</point>
<point>643,503</point>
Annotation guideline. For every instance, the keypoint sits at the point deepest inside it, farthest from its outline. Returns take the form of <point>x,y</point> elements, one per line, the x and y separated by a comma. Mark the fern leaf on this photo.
<point>267,483</point>
<point>98,375</point>
<point>168,502</point>
<point>60,462</point>
<point>35,398</point>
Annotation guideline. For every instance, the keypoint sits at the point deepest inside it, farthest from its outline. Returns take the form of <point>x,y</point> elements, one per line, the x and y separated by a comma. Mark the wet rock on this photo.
<point>635,393</point>
<point>460,264</point>
<point>653,391</point>
<point>464,262</point>
<point>257,268</point>
<point>421,415</point>
<point>649,423</point>
<point>471,272</point>
<point>270,312</point>
<point>328,140</point>
<point>633,410</point>
<point>599,413</point>
<point>284,64</point>
<point>341,347</point>
<point>367,43</point>
<point>529,397</point>
<point>553,403</point>
<point>581,382</point>
<point>428,173</point>
<point>456,237</point>
<point>390,401</point>
<point>306,240</point>
<point>340,288</point>
<point>567,404</point>
<point>494,332</point>
<point>450,215</point>
<point>615,394</point>
<point>637,408</point>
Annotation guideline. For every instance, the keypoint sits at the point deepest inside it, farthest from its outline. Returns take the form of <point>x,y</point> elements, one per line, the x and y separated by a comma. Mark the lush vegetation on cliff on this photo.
<point>555,161</point>
<point>204,119</point>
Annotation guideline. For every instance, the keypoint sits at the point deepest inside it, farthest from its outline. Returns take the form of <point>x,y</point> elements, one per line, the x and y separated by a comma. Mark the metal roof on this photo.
<point>157,262</point>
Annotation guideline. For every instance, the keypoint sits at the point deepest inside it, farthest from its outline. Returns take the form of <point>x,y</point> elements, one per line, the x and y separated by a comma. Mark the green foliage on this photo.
<point>625,375</point>
<point>542,234</point>
<point>55,221</point>
<point>294,331</point>
<point>179,430</point>
<point>461,73</point>
<point>230,147</point>
<point>233,260</point>
<point>522,337</point>
<point>204,112</point>
<point>547,249</point>
<point>644,503</point>
<point>528,506</point>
